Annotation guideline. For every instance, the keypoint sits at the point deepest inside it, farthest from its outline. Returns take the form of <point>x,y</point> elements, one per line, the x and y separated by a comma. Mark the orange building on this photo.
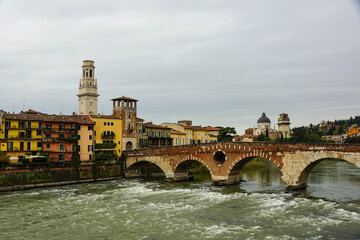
<point>60,137</point>
<point>86,138</point>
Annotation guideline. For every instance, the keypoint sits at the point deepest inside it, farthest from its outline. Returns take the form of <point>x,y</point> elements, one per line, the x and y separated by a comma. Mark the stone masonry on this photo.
<point>225,160</point>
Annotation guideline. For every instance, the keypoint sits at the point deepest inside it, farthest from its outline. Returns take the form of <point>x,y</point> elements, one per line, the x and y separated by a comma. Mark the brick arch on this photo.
<point>189,158</point>
<point>146,161</point>
<point>234,167</point>
<point>305,170</point>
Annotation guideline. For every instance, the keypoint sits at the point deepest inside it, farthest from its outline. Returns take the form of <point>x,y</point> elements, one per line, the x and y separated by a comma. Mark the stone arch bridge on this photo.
<point>225,160</point>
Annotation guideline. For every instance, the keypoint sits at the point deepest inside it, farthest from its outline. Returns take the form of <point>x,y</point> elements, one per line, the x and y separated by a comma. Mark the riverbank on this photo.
<point>53,184</point>
<point>37,177</point>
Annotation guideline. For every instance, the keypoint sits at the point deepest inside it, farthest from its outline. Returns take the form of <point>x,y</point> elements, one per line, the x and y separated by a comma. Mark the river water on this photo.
<point>142,209</point>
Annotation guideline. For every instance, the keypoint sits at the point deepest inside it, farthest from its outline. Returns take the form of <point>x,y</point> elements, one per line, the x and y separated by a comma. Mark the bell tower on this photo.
<point>88,96</point>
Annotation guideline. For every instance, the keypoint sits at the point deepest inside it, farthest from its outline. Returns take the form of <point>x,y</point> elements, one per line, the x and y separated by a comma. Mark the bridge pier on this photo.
<point>223,181</point>
<point>182,176</point>
<point>297,187</point>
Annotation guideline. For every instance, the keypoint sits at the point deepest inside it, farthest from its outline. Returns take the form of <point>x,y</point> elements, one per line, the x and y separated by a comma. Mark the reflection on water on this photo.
<point>334,180</point>
<point>138,209</point>
<point>330,179</point>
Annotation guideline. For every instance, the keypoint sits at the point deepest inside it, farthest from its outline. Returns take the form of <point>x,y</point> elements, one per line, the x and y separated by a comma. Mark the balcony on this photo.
<point>104,146</point>
<point>108,136</point>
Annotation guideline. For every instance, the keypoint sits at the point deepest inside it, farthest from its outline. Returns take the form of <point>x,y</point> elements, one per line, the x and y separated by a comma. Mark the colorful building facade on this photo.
<point>21,135</point>
<point>108,136</point>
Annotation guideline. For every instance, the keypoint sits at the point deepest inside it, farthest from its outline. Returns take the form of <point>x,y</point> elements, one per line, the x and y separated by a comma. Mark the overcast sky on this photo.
<point>214,62</point>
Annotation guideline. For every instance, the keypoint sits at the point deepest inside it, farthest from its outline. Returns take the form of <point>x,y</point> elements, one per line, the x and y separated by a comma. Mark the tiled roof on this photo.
<point>124,98</point>
<point>84,120</point>
<point>105,116</point>
<point>196,128</point>
<point>59,118</point>
<point>150,125</point>
<point>209,128</point>
<point>140,119</point>
<point>177,132</point>
<point>39,117</point>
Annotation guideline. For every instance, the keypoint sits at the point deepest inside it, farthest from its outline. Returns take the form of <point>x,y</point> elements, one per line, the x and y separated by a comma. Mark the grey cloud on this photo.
<point>216,62</point>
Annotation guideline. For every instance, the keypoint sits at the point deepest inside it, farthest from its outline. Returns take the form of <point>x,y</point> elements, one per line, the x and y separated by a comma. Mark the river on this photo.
<point>142,209</point>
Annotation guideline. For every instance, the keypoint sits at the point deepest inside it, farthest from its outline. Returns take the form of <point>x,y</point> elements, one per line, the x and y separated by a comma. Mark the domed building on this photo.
<point>263,123</point>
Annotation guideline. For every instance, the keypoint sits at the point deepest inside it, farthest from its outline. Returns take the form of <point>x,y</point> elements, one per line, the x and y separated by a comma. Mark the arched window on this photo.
<point>90,73</point>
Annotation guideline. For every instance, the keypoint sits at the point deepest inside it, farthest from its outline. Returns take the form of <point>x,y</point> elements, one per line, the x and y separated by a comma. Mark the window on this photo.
<point>79,148</point>
<point>90,128</point>
<point>73,126</point>
<point>79,127</point>
<point>40,125</point>
<point>28,146</point>
<point>9,146</point>
<point>73,147</point>
<point>90,137</point>
<point>90,157</point>
<point>104,123</point>
<point>29,125</point>
<point>175,140</point>
<point>61,147</point>
<point>48,135</point>
<point>90,148</point>
<point>90,73</point>
<point>48,126</point>
<point>21,135</point>
<point>79,137</point>
<point>38,144</point>
<point>61,127</point>
<point>48,145</point>
<point>94,133</point>
<point>38,132</point>
<point>112,124</point>
<point>119,142</point>
<point>7,124</point>
<point>61,157</point>
<point>61,135</point>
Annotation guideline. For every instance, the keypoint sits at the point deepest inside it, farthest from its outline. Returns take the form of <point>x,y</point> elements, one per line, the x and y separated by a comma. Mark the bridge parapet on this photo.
<point>294,160</point>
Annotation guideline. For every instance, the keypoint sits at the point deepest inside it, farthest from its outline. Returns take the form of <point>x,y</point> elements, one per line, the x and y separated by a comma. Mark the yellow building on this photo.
<point>158,136</point>
<point>108,136</point>
<point>21,135</point>
<point>178,138</point>
<point>200,135</point>
<point>193,134</point>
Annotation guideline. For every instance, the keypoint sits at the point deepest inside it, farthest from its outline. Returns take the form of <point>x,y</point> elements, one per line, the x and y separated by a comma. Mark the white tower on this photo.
<point>88,96</point>
<point>284,125</point>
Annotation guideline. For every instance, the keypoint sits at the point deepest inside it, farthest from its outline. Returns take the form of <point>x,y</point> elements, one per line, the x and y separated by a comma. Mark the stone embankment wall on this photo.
<point>16,179</point>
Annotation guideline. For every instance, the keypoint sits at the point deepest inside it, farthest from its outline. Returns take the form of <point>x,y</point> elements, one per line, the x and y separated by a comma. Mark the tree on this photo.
<point>314,138</point>
<point>4,160</point>
<point>226,134</point>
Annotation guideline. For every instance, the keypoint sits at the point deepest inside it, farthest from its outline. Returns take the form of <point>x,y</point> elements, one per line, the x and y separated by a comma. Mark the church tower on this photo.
<point>88,96</point>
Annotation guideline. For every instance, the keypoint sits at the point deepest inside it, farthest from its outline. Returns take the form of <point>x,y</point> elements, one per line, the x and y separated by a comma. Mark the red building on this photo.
<point>60,137</point>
